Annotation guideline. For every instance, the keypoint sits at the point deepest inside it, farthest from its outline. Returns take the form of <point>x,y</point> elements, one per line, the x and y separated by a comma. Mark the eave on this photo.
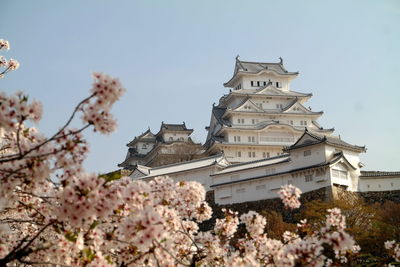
<point>240,73</point>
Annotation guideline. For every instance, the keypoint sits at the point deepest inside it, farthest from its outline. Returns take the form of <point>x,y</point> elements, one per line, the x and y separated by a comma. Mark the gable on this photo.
<point>270,90</point>
<point>296,107</point>
<point>306,140</point>
<point>340,166</point>
<point>248,105</point>
<point>137,174</point>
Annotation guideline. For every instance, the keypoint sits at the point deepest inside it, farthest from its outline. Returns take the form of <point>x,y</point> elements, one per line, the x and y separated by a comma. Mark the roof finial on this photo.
<point>237,57</point>
<point>214,104</point>
<point>280,60</point>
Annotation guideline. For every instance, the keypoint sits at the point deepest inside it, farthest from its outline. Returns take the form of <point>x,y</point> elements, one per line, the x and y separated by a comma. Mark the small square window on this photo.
<point>307,153</point>
<point>308,177</point>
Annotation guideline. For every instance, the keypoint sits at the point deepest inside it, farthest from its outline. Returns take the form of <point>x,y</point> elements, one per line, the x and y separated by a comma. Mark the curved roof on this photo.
<point>147,136</point>
<point>382,174</point>
<point>258,67</point>
<point>335,159</point>
<point>331,140</point>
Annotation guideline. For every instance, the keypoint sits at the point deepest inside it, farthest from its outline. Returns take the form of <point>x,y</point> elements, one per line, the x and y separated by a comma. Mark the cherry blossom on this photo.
<point>4,45</point>
<point>52,212</point>
<point>290,196</point>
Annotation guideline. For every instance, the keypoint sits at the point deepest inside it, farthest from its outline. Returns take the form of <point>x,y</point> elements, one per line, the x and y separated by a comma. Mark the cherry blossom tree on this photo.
<point>52,212</point>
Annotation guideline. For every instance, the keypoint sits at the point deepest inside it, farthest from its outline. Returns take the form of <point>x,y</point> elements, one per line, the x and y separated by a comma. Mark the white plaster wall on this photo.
<point>299,160</point>
<point>141,150</point>
<point>266,188</point>
<point>175,136</point>
<point>246,80</point>
<point>232,156</point>
<point>250,173</point>
<point>351,156</point>
<point>379,184</point>
<point>294,120</point>
<point>201,176</point>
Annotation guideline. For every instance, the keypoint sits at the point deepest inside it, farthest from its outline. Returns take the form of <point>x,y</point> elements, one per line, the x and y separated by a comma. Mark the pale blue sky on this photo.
<point>173,57</point>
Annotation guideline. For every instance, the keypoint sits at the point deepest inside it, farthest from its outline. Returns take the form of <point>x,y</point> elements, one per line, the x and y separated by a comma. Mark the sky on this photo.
<point>174,56</point>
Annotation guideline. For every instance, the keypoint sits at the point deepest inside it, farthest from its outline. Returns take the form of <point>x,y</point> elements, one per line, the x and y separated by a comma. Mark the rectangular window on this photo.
<point>242,120</point>
<point>254,154</point>
<point>265,83</point>
<point>240,190</point>
<point>252,83</point>
<point>278,85</point>
<point>260,187</point>
<point>253,139</point>
<point>238,138</point>
<point>253,121</point>
<point>238,120</point>
<point>339,174</point>
<point>264,155</point>
<point>249,154</point>
<point>249,139</point>
<point>239,154</point>
<point>308,177</point>
<point>307,153</point>
<point>234,138</point>
<point>291,122</point>
<point>258,83</point>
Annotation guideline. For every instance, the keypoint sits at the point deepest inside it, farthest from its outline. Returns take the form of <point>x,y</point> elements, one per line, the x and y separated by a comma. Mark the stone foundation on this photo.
<point>327,194</point>
<point>274,204</point>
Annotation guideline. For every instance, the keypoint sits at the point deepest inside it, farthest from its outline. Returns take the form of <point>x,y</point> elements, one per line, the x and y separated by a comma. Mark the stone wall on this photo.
<point>381,196</point>
<point>327,194</point>
<point>263,205</point>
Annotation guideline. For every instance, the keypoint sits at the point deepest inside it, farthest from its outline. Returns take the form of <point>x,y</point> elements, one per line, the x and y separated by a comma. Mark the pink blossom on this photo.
<point>4,45</point>
<point>290,196</point>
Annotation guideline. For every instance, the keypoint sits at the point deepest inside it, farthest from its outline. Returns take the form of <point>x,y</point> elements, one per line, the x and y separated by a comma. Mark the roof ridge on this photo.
<point>255,161</point>
<point>189,161</point>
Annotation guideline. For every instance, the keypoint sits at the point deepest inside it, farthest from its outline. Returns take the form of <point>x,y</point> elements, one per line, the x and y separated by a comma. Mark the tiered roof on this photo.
<point>275,161</point>
<point>317,139</point>
<point>174,128</point>
<point>147,137</point>
<point>258,67</point>
<point>218,159</point>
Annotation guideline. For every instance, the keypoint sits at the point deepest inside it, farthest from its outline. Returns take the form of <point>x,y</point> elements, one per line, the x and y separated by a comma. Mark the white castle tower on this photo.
<point>260,115</point>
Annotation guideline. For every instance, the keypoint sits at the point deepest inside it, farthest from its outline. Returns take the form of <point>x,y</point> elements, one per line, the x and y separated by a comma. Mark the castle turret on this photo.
<point>260,115</point>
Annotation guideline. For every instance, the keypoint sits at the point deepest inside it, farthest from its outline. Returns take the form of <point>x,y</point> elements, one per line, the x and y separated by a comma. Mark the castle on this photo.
<point>260,137</point>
